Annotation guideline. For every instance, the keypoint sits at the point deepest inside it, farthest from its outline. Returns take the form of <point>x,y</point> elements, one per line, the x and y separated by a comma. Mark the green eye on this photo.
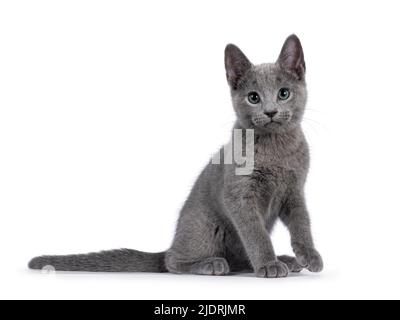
<point>253,97</point>
<point>284,94</point>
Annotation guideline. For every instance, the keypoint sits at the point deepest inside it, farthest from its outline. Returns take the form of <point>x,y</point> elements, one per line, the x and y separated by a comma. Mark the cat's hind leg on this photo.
<point>198,247</point>
<point>213,266</point>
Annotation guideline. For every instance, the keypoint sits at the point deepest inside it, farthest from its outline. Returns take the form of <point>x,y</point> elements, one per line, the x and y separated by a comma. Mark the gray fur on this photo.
<point>123,260</point>
<point>225,224</point>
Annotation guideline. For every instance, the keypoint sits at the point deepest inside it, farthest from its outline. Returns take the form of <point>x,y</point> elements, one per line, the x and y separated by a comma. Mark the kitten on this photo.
<point>225,224</point>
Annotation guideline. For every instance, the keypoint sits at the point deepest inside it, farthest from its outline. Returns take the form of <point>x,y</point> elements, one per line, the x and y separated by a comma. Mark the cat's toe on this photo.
<point>274,269</point>
<point>311,260</point>
<point>215,267</point>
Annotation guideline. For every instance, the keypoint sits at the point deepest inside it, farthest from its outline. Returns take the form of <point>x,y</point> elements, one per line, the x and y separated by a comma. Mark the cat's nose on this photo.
<point>271,114</point>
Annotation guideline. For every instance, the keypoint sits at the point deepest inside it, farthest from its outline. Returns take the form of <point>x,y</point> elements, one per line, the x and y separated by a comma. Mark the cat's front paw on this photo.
<point>310,259</point>
<point>273,269</point>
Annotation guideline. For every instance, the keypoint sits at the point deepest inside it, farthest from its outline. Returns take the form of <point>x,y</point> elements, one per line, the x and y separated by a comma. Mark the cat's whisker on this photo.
<point>312,120</point>
<point>313,110</point>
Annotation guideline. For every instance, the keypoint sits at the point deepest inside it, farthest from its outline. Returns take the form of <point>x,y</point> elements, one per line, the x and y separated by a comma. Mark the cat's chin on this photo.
<point>270,127</point>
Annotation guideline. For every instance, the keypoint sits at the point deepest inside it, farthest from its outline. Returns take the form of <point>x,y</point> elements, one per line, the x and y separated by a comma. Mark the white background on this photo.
<point>110,109</point>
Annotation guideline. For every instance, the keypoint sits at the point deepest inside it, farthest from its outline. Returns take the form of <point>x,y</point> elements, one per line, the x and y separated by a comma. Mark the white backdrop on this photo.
<point>110,109</point>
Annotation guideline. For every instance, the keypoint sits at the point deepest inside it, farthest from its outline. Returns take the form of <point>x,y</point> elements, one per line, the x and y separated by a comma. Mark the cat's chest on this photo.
<point>279,162</point>
<point>277,169</point>
<point>272,181</point>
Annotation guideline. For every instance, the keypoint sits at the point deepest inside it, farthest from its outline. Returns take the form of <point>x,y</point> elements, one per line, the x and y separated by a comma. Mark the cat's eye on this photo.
<point>284,94</point>
<point>253,97</point>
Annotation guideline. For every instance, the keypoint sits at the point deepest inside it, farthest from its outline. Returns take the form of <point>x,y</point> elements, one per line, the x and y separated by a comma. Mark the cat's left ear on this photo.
<point>291,58</point>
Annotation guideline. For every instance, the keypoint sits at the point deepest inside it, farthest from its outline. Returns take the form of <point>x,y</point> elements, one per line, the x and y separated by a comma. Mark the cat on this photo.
<point>225,224</point>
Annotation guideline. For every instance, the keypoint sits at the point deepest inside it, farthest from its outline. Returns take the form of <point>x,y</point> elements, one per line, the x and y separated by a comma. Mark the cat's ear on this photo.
<point>291,58</point>
<point>236,65</point>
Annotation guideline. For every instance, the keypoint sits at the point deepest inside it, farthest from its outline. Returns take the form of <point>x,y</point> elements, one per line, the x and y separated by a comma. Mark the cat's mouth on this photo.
<point>274,122</point>
<point>266,123</point>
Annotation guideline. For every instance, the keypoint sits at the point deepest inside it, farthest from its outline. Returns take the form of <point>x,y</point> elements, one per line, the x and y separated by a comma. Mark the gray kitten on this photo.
<point>225,224</point>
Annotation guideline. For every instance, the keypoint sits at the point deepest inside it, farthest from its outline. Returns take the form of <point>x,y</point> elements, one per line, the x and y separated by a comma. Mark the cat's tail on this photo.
<point>123,260</point>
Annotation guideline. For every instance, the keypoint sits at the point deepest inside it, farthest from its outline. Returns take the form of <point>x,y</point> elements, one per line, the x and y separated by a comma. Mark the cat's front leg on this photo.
<point>295,216</point>
<point>243,212</point>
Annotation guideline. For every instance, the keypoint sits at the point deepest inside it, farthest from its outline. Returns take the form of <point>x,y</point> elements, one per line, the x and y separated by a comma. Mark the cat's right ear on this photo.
<point>236,65</point>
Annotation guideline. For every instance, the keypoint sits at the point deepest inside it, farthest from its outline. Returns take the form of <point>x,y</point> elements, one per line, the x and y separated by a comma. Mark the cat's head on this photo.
<point>269,97</point>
